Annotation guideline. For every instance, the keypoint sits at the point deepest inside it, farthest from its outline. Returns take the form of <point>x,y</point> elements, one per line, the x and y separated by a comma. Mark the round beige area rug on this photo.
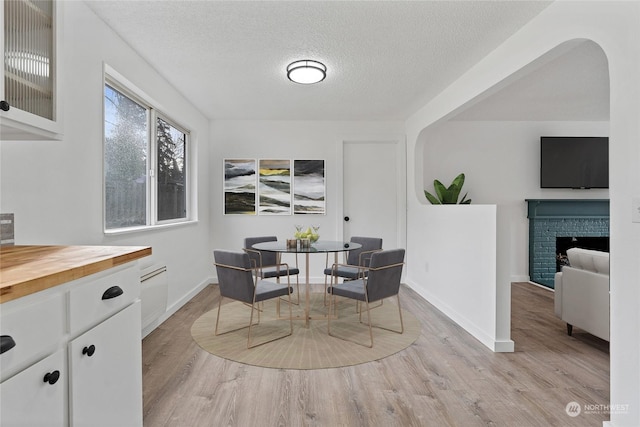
<point>308,347</point>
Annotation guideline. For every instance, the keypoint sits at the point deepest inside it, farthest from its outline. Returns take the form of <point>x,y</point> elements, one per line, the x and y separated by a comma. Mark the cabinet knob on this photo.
<point>346,218</point>
<point>6,343</point>
<point>52,377</point>
<point>4,106</point>
<point>89,350</point>
<point>112,292</point>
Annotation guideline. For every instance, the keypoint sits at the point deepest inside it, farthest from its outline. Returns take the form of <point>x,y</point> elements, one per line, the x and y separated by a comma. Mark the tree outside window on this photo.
<point>171,172</point>
<point>131,146</point>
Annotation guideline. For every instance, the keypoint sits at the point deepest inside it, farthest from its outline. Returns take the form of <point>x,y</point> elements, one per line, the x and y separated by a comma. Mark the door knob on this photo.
<point>346,218</point>
<point>52,377</point>
<point>89,350</point>
<point>4,106</point>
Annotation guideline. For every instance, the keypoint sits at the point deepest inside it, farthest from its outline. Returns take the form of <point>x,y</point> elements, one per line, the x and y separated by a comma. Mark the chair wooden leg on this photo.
<point>325,286</point>
<point>332,307</point>
<point>401,331</point>
<point>328,312</point>
<point>297,302</point>
<point>400,313</point>
<point>291,314</point>
<point>218,315</point>
<point>369,321</point>
<point>236,329</point>
<point>250,323</point>
<point>358,303</point>
<point>290,303</point>
<point>324,299</point>
<point>297,290</point>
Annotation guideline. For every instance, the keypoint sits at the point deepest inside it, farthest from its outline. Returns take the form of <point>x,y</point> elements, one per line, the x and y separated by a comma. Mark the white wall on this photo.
<point>287,140</point>
<point>501,162</point>
<point>55,187</point>
<point>460,279</point>
<point>615,26</point>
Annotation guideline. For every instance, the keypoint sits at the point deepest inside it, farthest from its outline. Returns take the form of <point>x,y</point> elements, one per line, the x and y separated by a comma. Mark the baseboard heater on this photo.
<point>154,287</point>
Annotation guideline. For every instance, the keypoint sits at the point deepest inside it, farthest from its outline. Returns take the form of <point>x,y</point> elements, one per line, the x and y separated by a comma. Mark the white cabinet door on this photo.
<point>105,381</point>
<point>36,396</point>
<point>30,107</point>
<point>36,325</point>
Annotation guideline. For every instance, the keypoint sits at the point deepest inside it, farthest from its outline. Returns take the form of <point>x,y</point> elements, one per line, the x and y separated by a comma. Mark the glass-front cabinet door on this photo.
<point>29,104</point>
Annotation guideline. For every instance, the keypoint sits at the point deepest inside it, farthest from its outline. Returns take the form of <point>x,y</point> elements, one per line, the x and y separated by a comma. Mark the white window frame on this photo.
<point>155,114</point>
<point>114,79</point>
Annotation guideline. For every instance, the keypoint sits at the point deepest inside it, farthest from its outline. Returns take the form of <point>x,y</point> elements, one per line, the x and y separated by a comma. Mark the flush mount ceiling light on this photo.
<point>306,72</point>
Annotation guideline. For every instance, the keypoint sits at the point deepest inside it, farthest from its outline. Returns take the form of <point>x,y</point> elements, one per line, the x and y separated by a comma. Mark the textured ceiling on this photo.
<point>573,86</point>
<point>385,59</point>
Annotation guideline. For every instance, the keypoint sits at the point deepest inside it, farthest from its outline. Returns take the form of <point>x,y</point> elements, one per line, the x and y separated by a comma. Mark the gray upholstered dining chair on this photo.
<point>356,263</point>
<point>382,281</point>
<point>268,264</point>
<point>239,281</point>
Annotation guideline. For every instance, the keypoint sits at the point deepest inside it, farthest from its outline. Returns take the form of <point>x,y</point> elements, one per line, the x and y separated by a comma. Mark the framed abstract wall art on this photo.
<point>274,187</point>
<point>240,178</point>
<point>308,187</point>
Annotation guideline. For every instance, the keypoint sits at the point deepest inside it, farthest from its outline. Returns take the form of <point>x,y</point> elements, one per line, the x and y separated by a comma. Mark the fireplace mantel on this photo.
<point>552,218</point>
<point>567,208</point>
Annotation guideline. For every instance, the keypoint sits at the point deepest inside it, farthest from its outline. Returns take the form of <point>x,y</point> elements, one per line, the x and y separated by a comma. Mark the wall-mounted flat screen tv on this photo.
<point>574,162</point>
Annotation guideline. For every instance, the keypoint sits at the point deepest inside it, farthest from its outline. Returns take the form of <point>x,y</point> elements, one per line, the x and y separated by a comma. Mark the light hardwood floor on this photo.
<point>446,378</point>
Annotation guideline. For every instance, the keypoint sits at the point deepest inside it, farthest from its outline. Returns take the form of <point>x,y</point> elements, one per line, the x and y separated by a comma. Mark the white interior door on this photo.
<point>374,193</point>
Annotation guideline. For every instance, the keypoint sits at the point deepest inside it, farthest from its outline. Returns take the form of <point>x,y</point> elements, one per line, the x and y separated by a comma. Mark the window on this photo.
<point>171,171</point>
<point>145,163</point>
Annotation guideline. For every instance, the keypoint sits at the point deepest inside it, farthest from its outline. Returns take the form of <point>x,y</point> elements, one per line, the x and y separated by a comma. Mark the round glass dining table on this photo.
<point>319,247</point>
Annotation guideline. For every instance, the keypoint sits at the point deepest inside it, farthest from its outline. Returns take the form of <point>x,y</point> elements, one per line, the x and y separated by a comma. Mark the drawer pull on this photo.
<point>52,377</point>
<point>112,292</point>
<point>6,343</point>
<point>89,350</point>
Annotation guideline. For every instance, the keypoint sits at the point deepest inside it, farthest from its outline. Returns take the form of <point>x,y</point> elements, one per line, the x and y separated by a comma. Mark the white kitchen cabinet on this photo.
<point>35,326</point>
<point>105,380</point>
<point>36,396</point>
<point>89,330</point>
<point>30,40</point>
<point>101,298</point>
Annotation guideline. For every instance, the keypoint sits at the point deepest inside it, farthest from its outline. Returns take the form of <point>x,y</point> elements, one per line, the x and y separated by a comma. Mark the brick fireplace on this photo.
<point>550,219</point>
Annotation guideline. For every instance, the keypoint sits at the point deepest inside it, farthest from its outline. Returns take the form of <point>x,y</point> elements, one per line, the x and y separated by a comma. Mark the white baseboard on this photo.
<point>504,346</point>
<point>498,346</point>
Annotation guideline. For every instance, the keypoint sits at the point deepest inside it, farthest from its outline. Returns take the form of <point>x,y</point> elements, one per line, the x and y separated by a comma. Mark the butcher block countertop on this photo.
<point>25,270</point>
